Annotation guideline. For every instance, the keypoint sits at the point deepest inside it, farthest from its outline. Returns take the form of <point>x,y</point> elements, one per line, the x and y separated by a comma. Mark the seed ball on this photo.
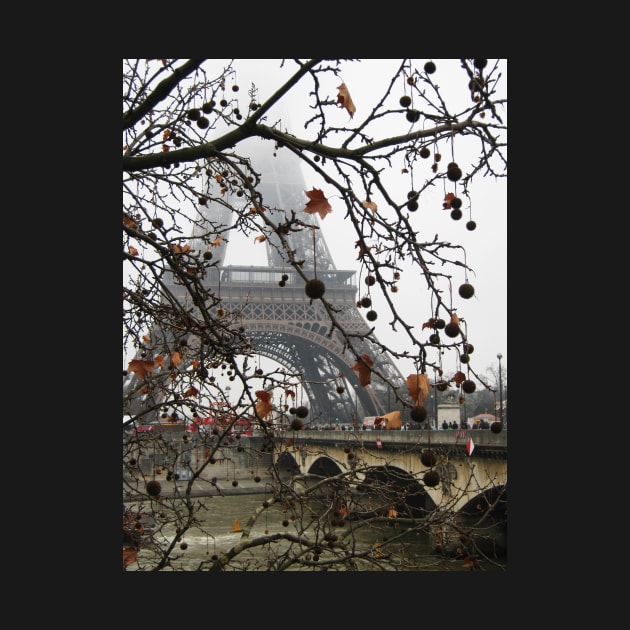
<point>434,339</point>
<point>235,483</point>
<point>193,114</point>
<point>184,546</point>
<point>203,122</point>
<point>428,458</point>
<point>285,277</point>
<point>154,488</point>
<point>431,478</point>
<point>425,152</point>
<point>480,64</point>
<point>412,194</point>
<point>471,225</point>
<point>456,214</point>
<point>412,115</point>
<point>440,324</point>
<point>285,523</point>
<point>157,222</point>
<point>466,290</point>
<point>469,386</point>
<point>301,411</point>
<point>371,315</point>
<point>207,255</point>
<point>496,427</point>
<point>412,205</point>
<point>429,67</point>
<point>366,302</point>
<point>208,107</point>
<point>370,280</point>
<point>464,358</point>
<point>315,288</point>
<point>456,202</point>
<point>257,479</point>
<point>293,410</point>
<point>418,413</point>
<point>341,389</point>
<point>441,386</point>
<point>282,283</point>
<point>469,348</point>
<point>405,101</point>
<point>453,172</point>
<point>297,424</point>
<point>451,329</point>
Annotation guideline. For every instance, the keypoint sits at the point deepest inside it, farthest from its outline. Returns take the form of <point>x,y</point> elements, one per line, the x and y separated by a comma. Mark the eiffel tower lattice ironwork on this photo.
<point>283,323</point>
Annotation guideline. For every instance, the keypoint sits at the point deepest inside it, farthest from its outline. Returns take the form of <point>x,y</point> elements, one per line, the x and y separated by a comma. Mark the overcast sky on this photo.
<point>486,247</point>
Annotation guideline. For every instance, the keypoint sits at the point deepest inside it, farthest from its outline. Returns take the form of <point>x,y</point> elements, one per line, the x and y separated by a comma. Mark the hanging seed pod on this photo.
<point>453,172</point>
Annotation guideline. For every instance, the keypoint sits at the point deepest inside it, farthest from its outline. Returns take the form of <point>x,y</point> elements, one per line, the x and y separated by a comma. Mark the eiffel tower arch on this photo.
<point>282,322</point>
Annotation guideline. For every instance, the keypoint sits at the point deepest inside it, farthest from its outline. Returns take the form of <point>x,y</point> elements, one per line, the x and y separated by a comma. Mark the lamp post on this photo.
<point>500,356</point>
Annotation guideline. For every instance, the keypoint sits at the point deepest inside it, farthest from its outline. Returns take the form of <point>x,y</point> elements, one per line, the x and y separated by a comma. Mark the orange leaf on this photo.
<point>254,210</point>
<point>260,239</point>
<point>181,250</point>
<point>263,406</point>
<point>454,318</point>
<point>140,367</point>
<point>362,366</point>
<point>458,378</point>
<point>191,392</point>
<point>429,324</point>
<point>370,205</point>
<point>166,135</point>
<point>318,203</point>
<point>195,364</point>
<point>418,386</point>
<point>217,241</point>
<point>132,250</point>
<point>146,339</point>
<point>289,393</point>
<point>219,178</point>
<point>343,98</point>
<point>129,556</point>
<point>447,201</point>
<point>176,358</point>
<point>158,361</point>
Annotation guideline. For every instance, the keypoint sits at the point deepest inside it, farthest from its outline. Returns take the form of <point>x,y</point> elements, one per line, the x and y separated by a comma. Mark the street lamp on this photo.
<point>500,356</point>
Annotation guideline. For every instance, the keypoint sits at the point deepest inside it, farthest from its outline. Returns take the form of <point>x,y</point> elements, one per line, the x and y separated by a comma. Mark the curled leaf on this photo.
<point>263,406</point>
<point>343,99</point>
<point>140,368</point>
<point>418,386</point>
<point>176,358</point>
<point>370,205</point>
<point>260,238</point>
<point>191,392</point>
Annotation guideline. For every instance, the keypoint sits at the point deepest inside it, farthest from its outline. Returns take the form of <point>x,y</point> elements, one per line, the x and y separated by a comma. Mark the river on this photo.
<point>219,516</point>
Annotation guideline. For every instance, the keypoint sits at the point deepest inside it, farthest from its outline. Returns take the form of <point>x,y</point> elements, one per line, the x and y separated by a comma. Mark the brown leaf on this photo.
<point>260,239</point>
<point>447,201</point>
<point>158,361</point>
<point>146,338</point>
<point>176,358</point>
<point>217,241</point>
<point>362,366</point>
<point>191,392</point>
<point>318,203</point>
<point>393,420</point>
<point>418,386</point>
<point>454,318</point>
<point>129,222</point>
<point>263,406</point>
<point>289,393</point>
<point>429,324</point>
<point>343,98</point>
<point>132,250</point>
<point>363,249</point>
<point>370,205</point>
<point>129,556</point>
<point>140,367</point>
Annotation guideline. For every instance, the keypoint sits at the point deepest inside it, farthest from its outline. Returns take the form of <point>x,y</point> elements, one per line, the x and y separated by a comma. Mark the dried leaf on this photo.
<point>318,203</point>
<point>176,358</point>
<point>146,338</point>
<point>362,366</point>
<point>418,386</point>
<point>219,178</point>
<point>217,241</point>
<point>363,249</point>
<point>195,364</point>
<point>454,318</point>
<point>140,367</point>
<point>429,324</point>
<point>289,393</point>
<point>393,420</point>
<point>263,406</point>
<point>191,392</point>
<point>129,222</point>
<point>344,99</point>
<point>447,201</point>
<point>129,556</point>
<point>158,361</point>
<point>370,205</point>
<point>181,250</point>
<point>260,239</point>
<point>132,250</point>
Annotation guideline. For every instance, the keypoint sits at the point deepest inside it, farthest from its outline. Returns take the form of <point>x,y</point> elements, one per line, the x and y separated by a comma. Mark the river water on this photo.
<point>220,515</point>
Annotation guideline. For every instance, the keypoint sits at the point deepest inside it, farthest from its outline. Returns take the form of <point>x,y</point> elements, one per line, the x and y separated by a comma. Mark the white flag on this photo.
<point>470,446</point>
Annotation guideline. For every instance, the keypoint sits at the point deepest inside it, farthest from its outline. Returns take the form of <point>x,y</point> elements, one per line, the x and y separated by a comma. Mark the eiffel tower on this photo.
<point>282,322</point>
